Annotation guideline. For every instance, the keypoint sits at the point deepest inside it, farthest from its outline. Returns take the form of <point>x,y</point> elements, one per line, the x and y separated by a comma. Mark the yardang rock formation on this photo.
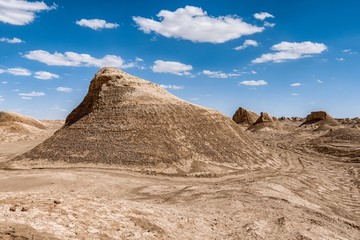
<point>320,118</point>
<point>132,123</point>
<point>245,117</point>
<point>265,121</point>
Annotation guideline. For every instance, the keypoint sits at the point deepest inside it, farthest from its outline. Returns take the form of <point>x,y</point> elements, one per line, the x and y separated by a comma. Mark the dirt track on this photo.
<point>313,196</point>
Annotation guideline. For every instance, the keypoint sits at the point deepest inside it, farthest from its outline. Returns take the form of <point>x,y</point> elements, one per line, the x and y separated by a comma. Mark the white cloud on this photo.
<point>194,99</point>
<point>16,71</point>
<point>21,12</point>
<point>64,89</point>
<point>268,24</point>
<point>26,98</point>
<point>340,59</point>
<point>291,51</point>
<point>4,82</point>
<point>319,81</point>
<point>247,43</point>
<point>96,24</point>
<point>219,74</point>
<point>15,90</point>
<point>45,75</point>
<point>32,94</point>
<point>11,40</point>
<point>349,51</point>
<point>194,24</point>
<point>295,84</point>
<point>73,59</point>
<point>295,94</point>
<point>2,99</point>
<point>174,87</point>
<point>263,15</point>
<point>253,83</point>
<point>177,68</point>
<point>58,108</point>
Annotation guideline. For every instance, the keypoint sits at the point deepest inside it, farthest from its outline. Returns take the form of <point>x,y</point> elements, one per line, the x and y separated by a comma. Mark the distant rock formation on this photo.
<point>264,121</point>
<point>17,123</point>
<point>320,118</point>
<point>132,123</point>
<point>243,116</point>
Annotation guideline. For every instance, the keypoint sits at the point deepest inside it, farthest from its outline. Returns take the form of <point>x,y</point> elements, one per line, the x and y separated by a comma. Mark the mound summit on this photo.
<point>133,123</point>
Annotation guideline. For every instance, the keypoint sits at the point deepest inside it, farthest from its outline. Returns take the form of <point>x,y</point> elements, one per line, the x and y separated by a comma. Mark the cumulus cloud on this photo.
<point>173,87</point>
<point>340,59</point>
<point>319,81</point>
<point>21,12</point>
<point>96,24</point>
<point>45,75</point>
<point>246,44</point>
<point>4,82</point>
<point>291,51</point>
<point>219,74</point>
<point>253,83</point>
<point>177,68</point>
<point>16,71</point>
<point>11,40</point>
<point>295,84</point>
<point>194,24</point>
<point>73,59</point>
<point>64,89</point>
<point>263,15</point>
<point>32,94</point>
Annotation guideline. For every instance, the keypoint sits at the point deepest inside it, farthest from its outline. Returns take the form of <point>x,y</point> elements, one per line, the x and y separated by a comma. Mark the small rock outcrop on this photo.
<point>243,116</point>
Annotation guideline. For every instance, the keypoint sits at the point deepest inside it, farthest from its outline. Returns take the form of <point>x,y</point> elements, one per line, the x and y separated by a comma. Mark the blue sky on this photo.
<point>283,57</point>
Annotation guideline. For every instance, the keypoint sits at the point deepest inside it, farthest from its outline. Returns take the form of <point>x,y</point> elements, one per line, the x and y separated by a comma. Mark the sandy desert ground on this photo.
<point>313,195</point>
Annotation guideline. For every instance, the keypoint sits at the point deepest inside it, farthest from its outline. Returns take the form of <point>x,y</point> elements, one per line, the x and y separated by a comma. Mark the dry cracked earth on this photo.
<point>315,194</point>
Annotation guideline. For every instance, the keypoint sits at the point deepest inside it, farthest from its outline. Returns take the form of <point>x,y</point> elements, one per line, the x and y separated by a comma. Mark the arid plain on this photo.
<point>134,162</point>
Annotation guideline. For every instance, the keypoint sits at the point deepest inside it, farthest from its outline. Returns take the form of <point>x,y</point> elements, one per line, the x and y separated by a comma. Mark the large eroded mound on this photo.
<point>130,122</point>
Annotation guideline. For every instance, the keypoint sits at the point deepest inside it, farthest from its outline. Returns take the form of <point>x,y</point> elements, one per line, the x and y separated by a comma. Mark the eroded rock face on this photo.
<point>244,117</point>
<point>320,118</point>
<point>130,122</point>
